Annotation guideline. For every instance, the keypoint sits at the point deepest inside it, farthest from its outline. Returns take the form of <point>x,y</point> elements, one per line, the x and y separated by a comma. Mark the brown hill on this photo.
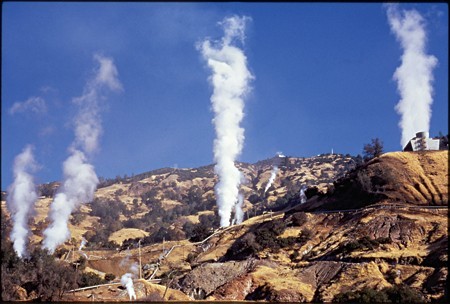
<point>373,248</point>
<point>171,197</point>
<point>388,238</point>
<point>343,251</point>
<point>419,178</point>
<point>412,178</point>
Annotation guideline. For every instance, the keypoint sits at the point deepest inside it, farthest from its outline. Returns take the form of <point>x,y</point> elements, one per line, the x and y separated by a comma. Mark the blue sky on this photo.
<point>323,80</point>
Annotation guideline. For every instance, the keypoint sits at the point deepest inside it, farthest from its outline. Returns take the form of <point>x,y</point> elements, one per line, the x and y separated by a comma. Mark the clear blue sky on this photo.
<point>323,80</point>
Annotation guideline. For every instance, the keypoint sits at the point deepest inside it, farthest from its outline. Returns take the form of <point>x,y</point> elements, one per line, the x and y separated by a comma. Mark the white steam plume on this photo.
<point>238,212</point>
<point>88,126</point>
<point>230,80</point>
<point>83,243</point>
<point>303,197</point>
<point>127,281</point>
<point>80,180</point>
<point>273,174</point>
<point>414,76</point>
<point>21,198</point>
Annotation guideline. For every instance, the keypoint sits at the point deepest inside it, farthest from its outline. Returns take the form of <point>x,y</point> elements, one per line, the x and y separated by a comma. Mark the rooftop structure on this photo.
<point>422,142</point>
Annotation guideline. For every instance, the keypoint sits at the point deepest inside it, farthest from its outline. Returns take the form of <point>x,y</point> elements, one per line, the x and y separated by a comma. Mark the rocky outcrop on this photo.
<point>235,290</point>
<point>206,278</point>
<point>395,227</point>
<point>21,293</point>
<point>319,273</point>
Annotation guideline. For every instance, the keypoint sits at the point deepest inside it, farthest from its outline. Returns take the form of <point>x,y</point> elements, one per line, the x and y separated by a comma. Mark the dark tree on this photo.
<point>404,294</point>
<point>90,279</point>
<point>443,141</point>
<point>40,275</point>
<point>210,220</point>
<point>372,150</point>
<point>110,276</point>
<point>305,235</point>
<point>358,160</point>
<point>188,228</point>
<point>200,232</point>
<point>365,295</point>
<point>244,247</point>
<point>47,190</point>
<point>395,294</point>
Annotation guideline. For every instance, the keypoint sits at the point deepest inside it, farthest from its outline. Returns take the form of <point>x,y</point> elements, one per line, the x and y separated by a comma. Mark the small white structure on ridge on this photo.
<point>422,142</point>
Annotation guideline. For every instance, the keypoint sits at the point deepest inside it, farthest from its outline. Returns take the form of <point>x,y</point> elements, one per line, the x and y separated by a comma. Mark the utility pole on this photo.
<point>140,261</point>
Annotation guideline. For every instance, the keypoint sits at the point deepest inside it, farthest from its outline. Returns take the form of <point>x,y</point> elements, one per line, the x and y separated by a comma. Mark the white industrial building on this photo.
<point>422,142</point>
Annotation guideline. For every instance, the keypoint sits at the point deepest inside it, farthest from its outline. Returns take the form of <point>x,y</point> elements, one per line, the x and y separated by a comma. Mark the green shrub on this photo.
<point>200,232</point>
<point>191,257</point>
<point>286,242</point>
<point>110,276</point>
<point>39,273</point>
<point>266,238</point>
<point>59,252</point>
<point>365,295</point>
<point>404,294</point>
<point>90,279</point>
<point>392,275</point>
<point>364,243</point>
<point>305,235</point>
<point>396,294</point>
<point>244,247</point>
<point>77,218</point>
<point>294,255</point>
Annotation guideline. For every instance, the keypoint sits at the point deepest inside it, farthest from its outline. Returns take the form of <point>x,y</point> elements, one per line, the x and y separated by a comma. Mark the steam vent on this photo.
<point>422,142</point>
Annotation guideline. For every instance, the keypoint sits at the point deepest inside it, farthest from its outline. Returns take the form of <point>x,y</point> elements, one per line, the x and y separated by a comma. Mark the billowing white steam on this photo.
<point>80,180</point>
<point>127,281</point>
<point>21,198</point>
<point>134,268</point>
<point>88,126</point>
<point>83,243</point>
<point>303,197</point>
<point>230,79</point>
<point>238,212</point>
<point>414,76</point>
<point>273,174</point>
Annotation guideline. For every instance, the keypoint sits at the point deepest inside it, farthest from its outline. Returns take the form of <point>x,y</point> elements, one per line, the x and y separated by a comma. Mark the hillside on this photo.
<point>360,228</point>
<point>412,178</point>
<point>165,199</point>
